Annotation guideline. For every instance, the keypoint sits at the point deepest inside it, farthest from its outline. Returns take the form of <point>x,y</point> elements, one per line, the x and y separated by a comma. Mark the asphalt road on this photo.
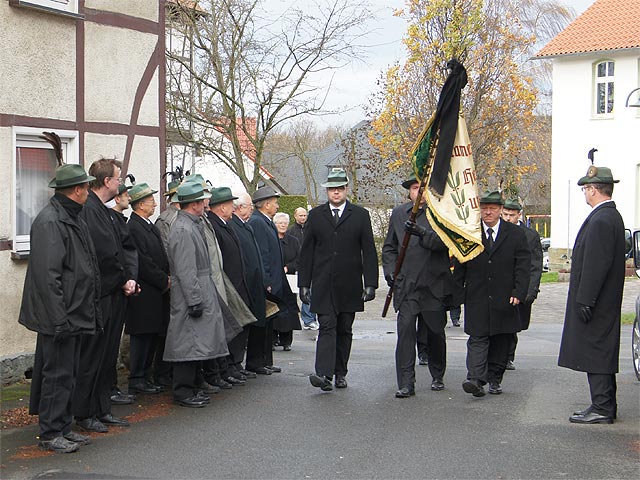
<point>281,427</point>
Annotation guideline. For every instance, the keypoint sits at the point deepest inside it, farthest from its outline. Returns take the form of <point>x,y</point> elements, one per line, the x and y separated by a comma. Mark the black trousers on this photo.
<point>333,347</point>
<point>487,357</point>
<point>259,345</point>
<point>140,357</point>
<point>52,386</point>
<point>512,347</point>
<point>162,371</point>
<point>436,345</point>
<point>186,376</point>
<point>282,338</point>
<point>603,390</point>
<point>237,347</point>
<point>422,338</point>
<point>98,358</point>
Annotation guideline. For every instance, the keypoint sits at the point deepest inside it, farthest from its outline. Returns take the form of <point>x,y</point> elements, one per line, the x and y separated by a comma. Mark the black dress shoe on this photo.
<point>423,361</point>
<point>274,368</point>
<point>456,324</point>
<point>163,381</point>
<point>473,387</point>
<point>219,382</point>
<point>247,373</point>
<point>437,384</point>
<point>510,366</point>
<point>237,375</point>
<point>92,424</point>
<point>207,388</point>
<point>323,383</point>
<point>59,445</point>
<point>191,402</point>
<point>145,387</point>
<point>122,399</point>
<point>77,438</point>
<point>202,396</point>
<point>286,348</point>
<point>341,382</point>
<point>234,381</point>
<point>262,371</point>
<point>405,392</point>
<point>109,419</point>
<point>591,417</point>
<point>495,388</point>
<point>583,412</point>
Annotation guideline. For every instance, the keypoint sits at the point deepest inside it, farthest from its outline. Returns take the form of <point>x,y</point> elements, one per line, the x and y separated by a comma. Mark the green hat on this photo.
<point>513,204</point>
<point>263,193</point>
<point>172,187</point>
<point>597,175</point>
<point>190,192</point>
<point>196,177</point>
<point>221,195</point>
<point>494,197</point>
<point>123,188</point>
<point>337,178</point>
<point>140,191</point>
<point>410,181</point>
<point>69,175</point>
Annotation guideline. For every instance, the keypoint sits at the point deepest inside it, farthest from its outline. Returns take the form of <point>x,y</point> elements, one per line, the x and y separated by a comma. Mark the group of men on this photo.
<point>193,290</point>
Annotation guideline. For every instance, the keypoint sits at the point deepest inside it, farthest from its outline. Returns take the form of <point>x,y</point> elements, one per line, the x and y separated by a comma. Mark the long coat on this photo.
<point>288,318</point>
<point>597,280</point>
<point>425,275</point>
<point>270,252</point>
<point>290,252</point>
<point>535,248</point>
<point>253,269</point>
<point>164,222</point>
<point>189,338</point>
<point>148,313</point>
<point>491,279</point>
<point>335,257</point>
<point>63,279</point>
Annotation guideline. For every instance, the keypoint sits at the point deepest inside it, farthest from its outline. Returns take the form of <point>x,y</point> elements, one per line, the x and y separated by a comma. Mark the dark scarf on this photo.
<point>71,207</point>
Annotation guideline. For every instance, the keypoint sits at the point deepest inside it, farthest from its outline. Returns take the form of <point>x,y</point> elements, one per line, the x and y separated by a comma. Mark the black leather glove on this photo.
<point>389,278</point>
<point>414,229</point>
<point>61,332</point>
<point>368,294</point>
<point>195,311</point>
<point>585,312</point>
<point>305,295</point>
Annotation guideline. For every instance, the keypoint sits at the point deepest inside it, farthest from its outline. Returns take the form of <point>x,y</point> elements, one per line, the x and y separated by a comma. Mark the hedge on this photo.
<point>289,203</point>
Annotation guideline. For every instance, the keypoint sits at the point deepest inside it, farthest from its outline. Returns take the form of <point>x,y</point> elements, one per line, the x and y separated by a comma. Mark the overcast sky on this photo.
<point>353,84</point>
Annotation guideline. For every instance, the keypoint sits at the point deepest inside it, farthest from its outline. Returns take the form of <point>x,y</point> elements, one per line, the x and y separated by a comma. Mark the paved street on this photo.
<point>281,427</point>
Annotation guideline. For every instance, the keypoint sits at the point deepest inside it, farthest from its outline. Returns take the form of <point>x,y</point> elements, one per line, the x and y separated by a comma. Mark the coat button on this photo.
<point>490,297</point>
<point>489,261</point>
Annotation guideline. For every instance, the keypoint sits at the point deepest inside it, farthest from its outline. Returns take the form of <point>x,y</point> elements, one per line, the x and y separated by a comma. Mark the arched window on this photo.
<point>604,72</point>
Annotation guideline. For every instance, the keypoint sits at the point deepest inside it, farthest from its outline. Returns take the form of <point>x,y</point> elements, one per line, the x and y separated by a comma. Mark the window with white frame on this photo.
<point>604,83</point>
<point>63,7</point>
<point>33,168</point>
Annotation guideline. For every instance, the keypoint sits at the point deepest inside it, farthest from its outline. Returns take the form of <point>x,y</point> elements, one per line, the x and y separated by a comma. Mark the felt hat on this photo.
<point>221,195</point>
<point>69,175</point>
<point>198,178</point>
<point>410,181</point>
<point>494,197</point>
<point>512,204</point>
<point>190,192</point>
<point>172,187</point>
<point>263,193</point>
<point>140,191</point>
<point>597,175</point>
<point>337,178</point>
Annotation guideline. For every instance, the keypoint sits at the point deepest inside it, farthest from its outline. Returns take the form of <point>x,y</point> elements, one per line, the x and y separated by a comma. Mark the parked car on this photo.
<point>546,243</point>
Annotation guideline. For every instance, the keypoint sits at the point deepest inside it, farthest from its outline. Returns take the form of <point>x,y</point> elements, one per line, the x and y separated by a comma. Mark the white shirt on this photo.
<point>340,209</point>
<point>495,229</point>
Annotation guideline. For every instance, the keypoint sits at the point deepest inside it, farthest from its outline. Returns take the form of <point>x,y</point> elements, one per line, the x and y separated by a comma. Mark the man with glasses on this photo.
<point>337,252</point>
<point>591,335</point>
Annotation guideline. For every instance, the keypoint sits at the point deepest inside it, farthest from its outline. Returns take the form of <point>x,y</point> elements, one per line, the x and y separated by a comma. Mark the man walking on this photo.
<point>61,302</point>
<point>297,230</point>
<point>337,252</point>
<point>495,282</point>
<point>420,291</point>
<point>511,213</point>
<point>591,336</point>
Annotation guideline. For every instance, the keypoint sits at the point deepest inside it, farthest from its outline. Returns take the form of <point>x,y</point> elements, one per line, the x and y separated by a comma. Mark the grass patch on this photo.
<point>17,391</point>
<point>628,318</point>
<point>549,277</point>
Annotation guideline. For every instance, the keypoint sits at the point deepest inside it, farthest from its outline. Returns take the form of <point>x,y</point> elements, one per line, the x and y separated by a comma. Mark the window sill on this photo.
<point>22,255</point>
<point>42,8</point>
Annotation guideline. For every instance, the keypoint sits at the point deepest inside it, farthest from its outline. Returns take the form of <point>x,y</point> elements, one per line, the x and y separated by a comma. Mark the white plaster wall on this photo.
<point>37,67</point>
<point>144,162</point>
<point>6,194</point>
<point>115,59</point>
<point>108,146</point>
<point>149,107</point>
<point>14,338</point>
<point>147,9</point>
<point>576,131</point>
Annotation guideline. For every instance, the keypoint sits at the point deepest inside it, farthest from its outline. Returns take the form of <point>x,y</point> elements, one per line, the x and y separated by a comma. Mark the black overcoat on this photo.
<point>335,257</point>
<point>597,280</point>
<point>270,252</point>
<point>491,279</point>
<point>148,313</point>
<point>290,252</point>
<point>535,248</point>
<point>253,269</point>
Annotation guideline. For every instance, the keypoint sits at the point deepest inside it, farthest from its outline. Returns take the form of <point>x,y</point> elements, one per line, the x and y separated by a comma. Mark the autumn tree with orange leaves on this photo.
<point>494,39</point>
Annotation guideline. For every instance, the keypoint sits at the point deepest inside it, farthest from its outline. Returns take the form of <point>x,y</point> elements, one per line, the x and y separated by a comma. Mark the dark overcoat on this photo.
<point>491,279</point>
<point>288,318</point>
<point>535,248</point>
<point>425,274</point>
<point>148,313</point>
<point>290,252</point>
<point>335,257</point>
<point>597,280</point>
<point>270,252</point>
<point>63,279</point>
<point>253,270</point>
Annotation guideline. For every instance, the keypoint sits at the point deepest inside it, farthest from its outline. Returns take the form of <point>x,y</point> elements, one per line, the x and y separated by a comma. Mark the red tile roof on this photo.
<point>605,25</point>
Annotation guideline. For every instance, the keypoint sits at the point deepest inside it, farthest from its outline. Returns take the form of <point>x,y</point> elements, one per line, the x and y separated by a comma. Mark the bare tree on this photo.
<point>249,72</point>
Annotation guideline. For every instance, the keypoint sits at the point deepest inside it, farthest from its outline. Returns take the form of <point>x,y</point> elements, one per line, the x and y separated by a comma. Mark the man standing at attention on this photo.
<point>591,336</point>
<point>337,251</point>
<point>297,230</point>
<point>495,282</point>
<point>420,291</point>
<point>61,302</point>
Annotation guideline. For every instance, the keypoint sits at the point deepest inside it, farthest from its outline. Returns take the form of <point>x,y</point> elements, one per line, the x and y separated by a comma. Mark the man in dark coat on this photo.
<point>338,250</point>
<point>61,302</point>
<point>511,213</point>
<point>495,282</point>
<point>99,353</point>
<point>300,216</point>
<point>254,280</point>
<point>147,313</point>
<point>421,291</point>
<point>265,200</point>
<point>591,336</point>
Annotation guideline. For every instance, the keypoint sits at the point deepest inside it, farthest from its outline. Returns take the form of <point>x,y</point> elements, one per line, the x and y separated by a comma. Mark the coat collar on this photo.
<point>328,214</point>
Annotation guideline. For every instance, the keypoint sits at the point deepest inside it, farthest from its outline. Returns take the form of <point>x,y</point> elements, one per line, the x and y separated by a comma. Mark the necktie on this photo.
<point>490,238</point>
<point>336,217</point>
